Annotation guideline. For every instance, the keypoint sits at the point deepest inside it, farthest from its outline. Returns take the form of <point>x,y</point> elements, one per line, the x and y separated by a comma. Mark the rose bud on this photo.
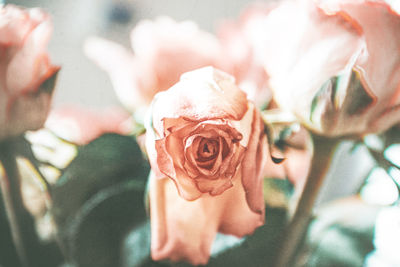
<point>336,69</point>
<point>26,76</point>
<point>162,50</point>
<point>206,146</point>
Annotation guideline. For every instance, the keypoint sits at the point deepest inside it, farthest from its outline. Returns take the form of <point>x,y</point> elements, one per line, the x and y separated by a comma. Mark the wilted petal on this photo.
<point>253,164</point>
<point>184,230</point>
<point>181,230</point>
<point>212,95</point>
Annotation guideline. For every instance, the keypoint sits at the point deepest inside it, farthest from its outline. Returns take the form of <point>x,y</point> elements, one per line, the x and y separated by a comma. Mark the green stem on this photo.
<point>297,227</point>
<point>11,192</point>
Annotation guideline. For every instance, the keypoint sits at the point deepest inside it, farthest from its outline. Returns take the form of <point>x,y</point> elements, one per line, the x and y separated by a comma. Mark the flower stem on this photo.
<point>11,192</point>
<point>297,227</point>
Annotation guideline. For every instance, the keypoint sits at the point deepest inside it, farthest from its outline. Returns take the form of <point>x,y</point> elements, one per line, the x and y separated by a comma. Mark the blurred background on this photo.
<point>82,82</point>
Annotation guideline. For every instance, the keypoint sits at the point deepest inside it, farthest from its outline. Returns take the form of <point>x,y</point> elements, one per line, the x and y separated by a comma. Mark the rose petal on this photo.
<point>14,25</point>
<point>186,186</point>
<point>180,229</point>
<point>380,68</point>
<point>122,67</point>
<point>307,49</point>
<point>33,60</point>
<point>213,187</point>
<point>190,237</point>
<point>213,95</point>
<point>252,165</point>
<point>239,219</point>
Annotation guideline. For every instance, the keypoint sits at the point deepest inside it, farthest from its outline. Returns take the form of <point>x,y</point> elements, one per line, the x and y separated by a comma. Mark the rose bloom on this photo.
<point>333,66</point>
<point>206,147</point>
<point>26,75</point>
<point>82,125</point>
<point>237,39</point>
<point>162,50</point>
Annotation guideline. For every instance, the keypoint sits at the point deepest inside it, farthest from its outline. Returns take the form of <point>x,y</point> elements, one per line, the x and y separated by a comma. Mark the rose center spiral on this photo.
<point>208,149</point>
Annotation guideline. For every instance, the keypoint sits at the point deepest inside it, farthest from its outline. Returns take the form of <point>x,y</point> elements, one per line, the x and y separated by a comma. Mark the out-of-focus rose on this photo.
<point>82,125</point>
<point>332,65</point>
<point>26,75</point>
<point>238,38</point>
<point>162,50</point>
<point>206,146</point>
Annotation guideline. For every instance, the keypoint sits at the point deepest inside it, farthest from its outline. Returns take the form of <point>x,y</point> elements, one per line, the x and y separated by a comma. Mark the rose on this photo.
<point>205,138</point>
<point>163,50</point>
<point>238,39</point>
<point>333,68</point>
<point>26,75</point>
<point>82,125</point>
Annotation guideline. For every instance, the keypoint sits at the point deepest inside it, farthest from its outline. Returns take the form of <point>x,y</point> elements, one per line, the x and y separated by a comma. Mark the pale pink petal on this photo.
<point>164,158</point>
<point>184,230</point>
<point>306,50</point>
<point>30,66</point>
<point>253,164</point>
<point>239,39</point>
<point>212,95</point>
<point>82,125</point>
<point>181,230</point>
<point>24,69</point>
<point>14,25</point>
<point>238,218</point>
<point>213,187</point>
<point>121,66</point>
<point>380,67</point>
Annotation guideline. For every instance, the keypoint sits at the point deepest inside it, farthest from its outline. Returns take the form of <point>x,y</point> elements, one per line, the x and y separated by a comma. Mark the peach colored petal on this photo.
<point>14,25</point>
<point>189,237</point>
<point>253,164</point>
<point>238,218</point>
<point>181,229</point>
<point>213,187</point>
<point>210,154</point>
<point>32,58</point>
<point>380,67</point>
<point>165,162</point>
<point>307,49</point>
<point>82,125</point>
<point>121,66</point>
<point>239,40</point>
<point>162,50</point>
<point>24,68</point>
<point>206,100</point>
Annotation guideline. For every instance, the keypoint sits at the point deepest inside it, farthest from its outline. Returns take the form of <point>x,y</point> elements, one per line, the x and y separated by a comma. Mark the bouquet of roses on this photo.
<point>221,149</point>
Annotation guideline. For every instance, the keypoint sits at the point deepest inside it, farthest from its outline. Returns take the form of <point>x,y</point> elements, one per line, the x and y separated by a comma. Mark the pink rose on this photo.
<point>238,38</point>
<point>82,125</point>
<point>162,50</point>
<point>26,75</point>
<point>206,146</point>
<point>333,66</point>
